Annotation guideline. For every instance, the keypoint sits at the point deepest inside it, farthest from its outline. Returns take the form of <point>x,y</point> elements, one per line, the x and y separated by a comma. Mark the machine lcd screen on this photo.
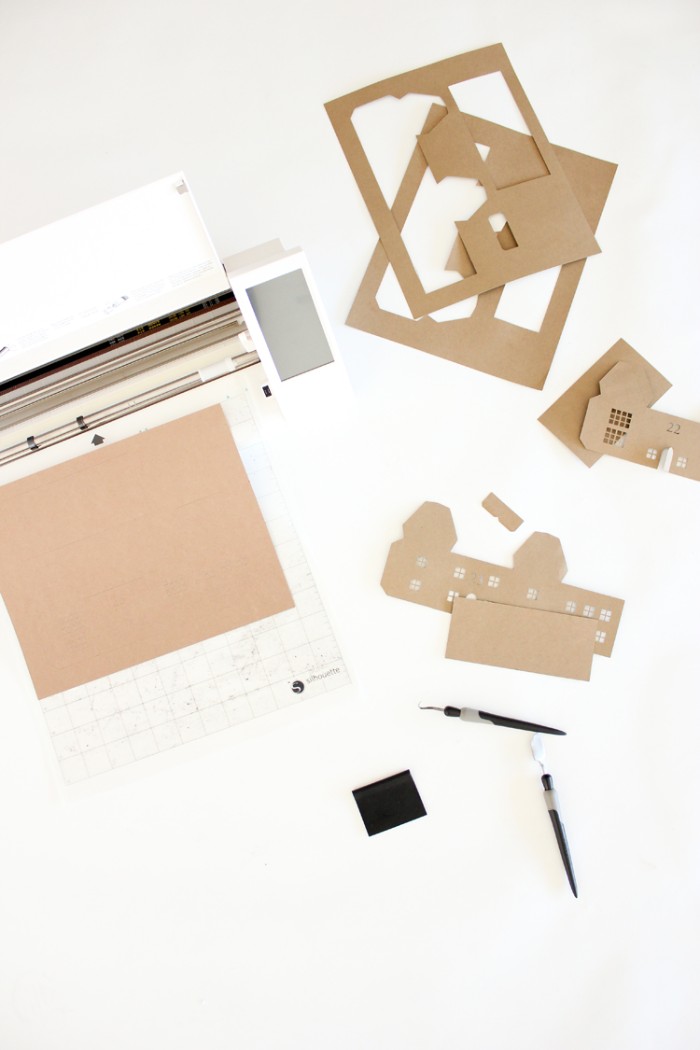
<point>290,325</point>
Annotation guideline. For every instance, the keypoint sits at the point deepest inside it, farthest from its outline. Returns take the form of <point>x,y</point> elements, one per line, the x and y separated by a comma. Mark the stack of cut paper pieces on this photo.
<point>524,617</point>
<point>484,226</point>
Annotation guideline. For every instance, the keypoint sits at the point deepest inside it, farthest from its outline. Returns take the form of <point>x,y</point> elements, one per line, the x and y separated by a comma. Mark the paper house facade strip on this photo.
<point>423,567</point>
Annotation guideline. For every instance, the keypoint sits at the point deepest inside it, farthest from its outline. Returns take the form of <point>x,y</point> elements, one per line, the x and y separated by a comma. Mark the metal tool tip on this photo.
<point>538,751</point>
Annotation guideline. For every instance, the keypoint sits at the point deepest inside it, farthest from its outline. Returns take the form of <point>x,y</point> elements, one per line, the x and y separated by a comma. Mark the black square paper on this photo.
<point>389,802</point>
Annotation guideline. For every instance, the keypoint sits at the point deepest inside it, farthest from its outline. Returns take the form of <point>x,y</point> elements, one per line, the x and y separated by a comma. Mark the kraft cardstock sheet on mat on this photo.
<point>524,617</point>
<point>515,170</point>
<point>134,550</point>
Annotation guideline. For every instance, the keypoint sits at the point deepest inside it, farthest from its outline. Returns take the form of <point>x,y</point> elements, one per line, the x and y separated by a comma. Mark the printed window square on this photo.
<point>532,594</point>
<point>600,636</point>
<point>571,607</point>
<point>421,561</point>
<point>652,453</point>
<point>589,610</point>
<point>605,615</point>
<point>682,462</point>
<point>459,573</point>
<point>414,585</point>
<point>494,581</point>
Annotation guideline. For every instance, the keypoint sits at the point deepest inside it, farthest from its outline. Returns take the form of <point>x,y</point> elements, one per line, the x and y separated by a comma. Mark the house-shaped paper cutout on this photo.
<point>422,567</point>
<point>566,416</point>
<point>620,423</point>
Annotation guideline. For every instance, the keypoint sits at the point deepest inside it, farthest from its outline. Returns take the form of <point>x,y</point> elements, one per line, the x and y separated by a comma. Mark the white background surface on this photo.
<point>230,897</point>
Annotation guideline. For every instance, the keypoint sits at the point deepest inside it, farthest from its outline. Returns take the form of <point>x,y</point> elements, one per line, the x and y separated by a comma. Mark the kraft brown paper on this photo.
<point>423,567</point>
<point>547,226</point>
<point>134,550</point>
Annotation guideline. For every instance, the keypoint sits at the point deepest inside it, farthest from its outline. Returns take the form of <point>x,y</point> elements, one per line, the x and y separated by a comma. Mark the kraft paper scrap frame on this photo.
<point>494,245</point>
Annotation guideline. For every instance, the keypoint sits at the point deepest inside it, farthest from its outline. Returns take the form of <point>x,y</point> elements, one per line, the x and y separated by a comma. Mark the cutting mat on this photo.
<point>217,684</point>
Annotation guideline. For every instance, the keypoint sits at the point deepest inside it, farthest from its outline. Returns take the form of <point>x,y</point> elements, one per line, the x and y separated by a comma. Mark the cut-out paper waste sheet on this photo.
<point>281,658</point>
<point>513,169</point>
<point>487,340</point>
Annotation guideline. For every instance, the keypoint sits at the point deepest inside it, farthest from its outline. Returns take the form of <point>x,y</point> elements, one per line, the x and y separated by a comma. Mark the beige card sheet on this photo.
<point>522,639</point>
<point>135,550</point>
<point>545,225</point>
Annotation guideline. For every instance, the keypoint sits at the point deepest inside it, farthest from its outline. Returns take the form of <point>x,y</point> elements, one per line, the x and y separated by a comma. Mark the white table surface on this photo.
<point>230,896</point>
